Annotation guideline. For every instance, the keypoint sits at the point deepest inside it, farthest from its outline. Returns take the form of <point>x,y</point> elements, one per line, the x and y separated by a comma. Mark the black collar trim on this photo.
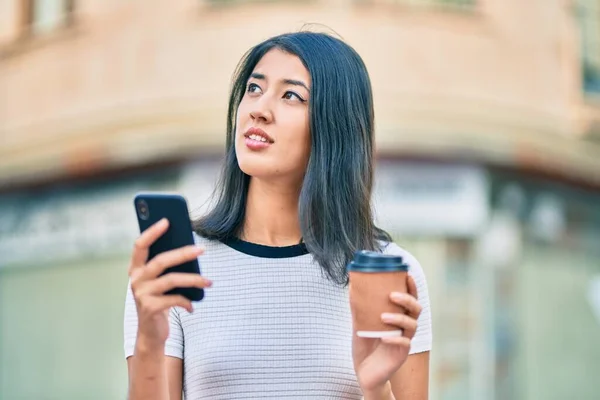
<point>259,250</point>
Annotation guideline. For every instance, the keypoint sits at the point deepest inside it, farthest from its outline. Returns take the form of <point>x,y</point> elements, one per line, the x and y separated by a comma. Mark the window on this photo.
<point>589,19</point>
<point>42,16</point>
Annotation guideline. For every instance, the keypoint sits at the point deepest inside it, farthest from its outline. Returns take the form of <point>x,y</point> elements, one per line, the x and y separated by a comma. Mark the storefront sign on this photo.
<point>75,222</point>
<point>431,200</point>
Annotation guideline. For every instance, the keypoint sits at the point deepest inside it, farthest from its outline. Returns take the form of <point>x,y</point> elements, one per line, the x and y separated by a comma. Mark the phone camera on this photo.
<point>143,210</point>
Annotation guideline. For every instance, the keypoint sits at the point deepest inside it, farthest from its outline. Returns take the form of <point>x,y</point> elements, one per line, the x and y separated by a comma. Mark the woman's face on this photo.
<point>272,139</point>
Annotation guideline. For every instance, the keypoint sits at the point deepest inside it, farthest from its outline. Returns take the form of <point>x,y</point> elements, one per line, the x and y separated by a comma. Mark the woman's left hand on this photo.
<point>376,360</point>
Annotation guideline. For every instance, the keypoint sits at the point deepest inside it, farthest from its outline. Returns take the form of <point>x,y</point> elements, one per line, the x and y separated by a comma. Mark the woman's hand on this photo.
<point>148,286</point>
<point>376,360</point>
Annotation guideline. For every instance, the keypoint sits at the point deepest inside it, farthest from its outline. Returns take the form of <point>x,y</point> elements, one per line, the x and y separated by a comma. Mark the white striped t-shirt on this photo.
<point>271,327</point>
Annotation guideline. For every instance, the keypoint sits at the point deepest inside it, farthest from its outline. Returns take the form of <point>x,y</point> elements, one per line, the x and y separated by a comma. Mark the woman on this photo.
<point>293,206</point>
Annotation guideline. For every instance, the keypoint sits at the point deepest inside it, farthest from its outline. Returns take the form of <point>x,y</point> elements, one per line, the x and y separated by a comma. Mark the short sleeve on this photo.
<point>422,341</point>
<point>174,344</point>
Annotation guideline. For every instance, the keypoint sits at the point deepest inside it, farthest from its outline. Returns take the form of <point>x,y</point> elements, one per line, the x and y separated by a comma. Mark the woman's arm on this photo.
<point>154,376</point>
<point>411,381</point>
<point>151,320</point>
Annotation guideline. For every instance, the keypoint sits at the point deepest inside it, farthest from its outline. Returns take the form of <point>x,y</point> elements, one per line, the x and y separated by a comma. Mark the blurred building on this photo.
<point>488,134</point>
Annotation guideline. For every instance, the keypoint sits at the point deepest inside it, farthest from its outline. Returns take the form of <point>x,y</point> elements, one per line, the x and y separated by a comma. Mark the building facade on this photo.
<point>488,138</point>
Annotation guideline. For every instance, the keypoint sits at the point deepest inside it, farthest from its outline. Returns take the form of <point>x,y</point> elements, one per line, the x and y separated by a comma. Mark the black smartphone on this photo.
<point>151,208</point>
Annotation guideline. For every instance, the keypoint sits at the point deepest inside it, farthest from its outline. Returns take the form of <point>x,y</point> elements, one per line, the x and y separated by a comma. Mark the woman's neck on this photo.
<point>271,214</point>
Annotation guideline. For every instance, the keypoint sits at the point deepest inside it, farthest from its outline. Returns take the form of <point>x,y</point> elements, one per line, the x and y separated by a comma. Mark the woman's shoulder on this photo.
<point>391,248</point>
<point>203,241</point>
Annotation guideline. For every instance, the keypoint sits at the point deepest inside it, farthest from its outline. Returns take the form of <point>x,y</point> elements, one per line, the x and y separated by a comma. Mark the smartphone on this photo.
<point>151,208</point>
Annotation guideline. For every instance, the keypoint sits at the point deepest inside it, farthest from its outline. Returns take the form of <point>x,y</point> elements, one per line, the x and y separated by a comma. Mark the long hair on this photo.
<point>335,200</point>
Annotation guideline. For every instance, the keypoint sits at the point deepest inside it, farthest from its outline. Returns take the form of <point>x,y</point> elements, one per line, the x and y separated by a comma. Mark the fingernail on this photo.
<point>163,222</point>
<point>387,316</point>
<point>208,282</point>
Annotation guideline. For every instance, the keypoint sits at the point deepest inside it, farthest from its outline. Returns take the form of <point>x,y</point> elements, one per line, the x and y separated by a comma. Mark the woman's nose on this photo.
<point>261,112</point>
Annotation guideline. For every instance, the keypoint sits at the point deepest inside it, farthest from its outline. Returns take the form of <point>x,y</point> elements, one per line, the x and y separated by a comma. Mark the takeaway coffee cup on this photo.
<point>373,276</point>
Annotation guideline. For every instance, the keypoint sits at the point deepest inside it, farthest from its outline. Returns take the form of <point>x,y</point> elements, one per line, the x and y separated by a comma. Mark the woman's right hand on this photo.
<point>148,287</point>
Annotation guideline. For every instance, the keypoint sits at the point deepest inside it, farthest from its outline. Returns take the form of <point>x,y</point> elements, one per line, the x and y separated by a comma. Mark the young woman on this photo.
<point>293,205</point>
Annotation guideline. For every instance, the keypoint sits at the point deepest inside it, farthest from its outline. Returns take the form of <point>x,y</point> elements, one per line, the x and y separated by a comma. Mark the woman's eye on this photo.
<point>291,95</point>
<point>253,88</point>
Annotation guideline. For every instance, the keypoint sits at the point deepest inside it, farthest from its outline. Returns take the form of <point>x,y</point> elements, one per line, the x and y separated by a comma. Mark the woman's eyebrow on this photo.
<point>294,82</point>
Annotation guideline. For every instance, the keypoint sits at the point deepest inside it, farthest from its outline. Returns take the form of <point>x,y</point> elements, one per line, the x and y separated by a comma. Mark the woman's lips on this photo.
<point>254,144</point>
<point>257,139</point>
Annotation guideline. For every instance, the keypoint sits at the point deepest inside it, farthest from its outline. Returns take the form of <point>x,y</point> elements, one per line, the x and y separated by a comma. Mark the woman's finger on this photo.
<point>400,341</point>
<point>402,321</point>
<point>408,302</point>
<point>143,243</point>
<point>173,280</point>
<point>171,258</point>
